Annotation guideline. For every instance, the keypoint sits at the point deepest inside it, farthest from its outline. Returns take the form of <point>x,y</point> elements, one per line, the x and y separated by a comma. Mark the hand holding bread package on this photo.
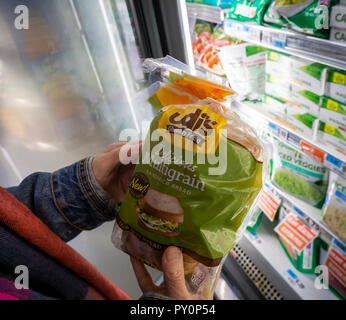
<point>198,175</point>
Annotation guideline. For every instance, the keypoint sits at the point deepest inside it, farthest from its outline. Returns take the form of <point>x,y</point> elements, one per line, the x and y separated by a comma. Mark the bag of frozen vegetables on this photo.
<point>298,174</point>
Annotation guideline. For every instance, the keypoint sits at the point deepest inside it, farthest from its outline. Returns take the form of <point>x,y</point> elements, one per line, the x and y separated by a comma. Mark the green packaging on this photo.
<point>336,85</point>
<point>298,174</point>
<point>174,199</point>
<point>305,16</point>
<point>247,10</point>
<point>333,137</point>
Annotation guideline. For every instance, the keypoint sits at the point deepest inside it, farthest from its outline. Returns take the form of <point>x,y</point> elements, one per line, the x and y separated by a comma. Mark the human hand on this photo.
<point>110,172</point>
<point>173,273</point>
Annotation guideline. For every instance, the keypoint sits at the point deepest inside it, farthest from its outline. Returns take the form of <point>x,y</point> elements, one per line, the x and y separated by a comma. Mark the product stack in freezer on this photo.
<point>297,86</point>
<point>309,98</point>
<point>338,23</point>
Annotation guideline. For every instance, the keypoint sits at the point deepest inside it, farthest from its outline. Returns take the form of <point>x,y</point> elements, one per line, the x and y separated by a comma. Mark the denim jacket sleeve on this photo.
<point>68,200</point>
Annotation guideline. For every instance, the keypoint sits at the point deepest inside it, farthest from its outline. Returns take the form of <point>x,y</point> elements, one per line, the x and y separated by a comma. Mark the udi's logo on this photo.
<point>192,128</point>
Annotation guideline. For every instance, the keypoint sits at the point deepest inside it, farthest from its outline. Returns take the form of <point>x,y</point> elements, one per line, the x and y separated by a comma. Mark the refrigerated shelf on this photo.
<point>261,119</point>
<point>331,158</point>
<point>268,255</point>
<point>301,45</point>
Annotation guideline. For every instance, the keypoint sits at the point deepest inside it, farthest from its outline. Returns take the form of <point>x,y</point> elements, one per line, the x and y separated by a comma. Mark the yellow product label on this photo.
<point>273,56</point>
<point>332,105</point>
<point>339,78</point>
<point>195,128</point>
<point>329,129</point>
<point>272,78</point>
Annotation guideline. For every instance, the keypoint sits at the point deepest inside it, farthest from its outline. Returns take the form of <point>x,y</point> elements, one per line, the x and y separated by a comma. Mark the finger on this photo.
<point>113,146</point>
<point>143,277</point>
<point>129,152</point>
<point>173,272</point>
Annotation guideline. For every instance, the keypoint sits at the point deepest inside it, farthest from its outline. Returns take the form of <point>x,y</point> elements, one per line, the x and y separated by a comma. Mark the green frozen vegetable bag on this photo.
<point>306,16</point>
<point>248,10</point>
<point>298,174</point>
<point>198,174</point>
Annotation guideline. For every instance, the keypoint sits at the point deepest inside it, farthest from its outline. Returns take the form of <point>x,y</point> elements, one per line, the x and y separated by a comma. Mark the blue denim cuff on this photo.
<point>79,198</point>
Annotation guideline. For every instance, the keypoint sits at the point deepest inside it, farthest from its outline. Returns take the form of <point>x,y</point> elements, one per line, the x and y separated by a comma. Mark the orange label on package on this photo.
<point>312,151</point>
<point>195,128</point>
<point>269,205</point>
<point>295,232</point>
<point>336,264</point>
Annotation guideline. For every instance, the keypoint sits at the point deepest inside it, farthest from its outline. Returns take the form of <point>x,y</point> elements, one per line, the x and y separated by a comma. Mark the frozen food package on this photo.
<point>273,18</point>
<point>334,209</point>
<point>305,16</point>
<point>244,65</point>
<point>335,261</point>
<point>305,260</point>
<point>201,36</point>
<point>298,174</point>
<point>248,10</point>
<point>180,86</point>
<point>209,59</point>
<point>198,175</point>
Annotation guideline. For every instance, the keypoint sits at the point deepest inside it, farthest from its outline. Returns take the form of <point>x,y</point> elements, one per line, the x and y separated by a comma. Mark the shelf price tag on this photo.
<point>335,164</point>
<point>312,151</point>
<point>336,263</point>
<point>278,40</point>
<point>269,202</point>
<point>295,232</point>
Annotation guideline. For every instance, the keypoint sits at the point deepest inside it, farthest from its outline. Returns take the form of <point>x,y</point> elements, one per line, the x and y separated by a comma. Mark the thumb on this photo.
<point>173,273</point>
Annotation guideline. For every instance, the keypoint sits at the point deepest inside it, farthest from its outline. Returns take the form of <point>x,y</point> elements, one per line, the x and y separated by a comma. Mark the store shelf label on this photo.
<point>269,202</point>
<point>295,232</point>
<point>334,161</point>
<point>278,40</point>
<point>336,263</point>
<point>312,151</point>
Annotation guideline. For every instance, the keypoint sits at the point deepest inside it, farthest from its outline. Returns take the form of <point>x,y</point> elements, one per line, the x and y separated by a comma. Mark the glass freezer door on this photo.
<point>67,89</point>
<point>67,82</point>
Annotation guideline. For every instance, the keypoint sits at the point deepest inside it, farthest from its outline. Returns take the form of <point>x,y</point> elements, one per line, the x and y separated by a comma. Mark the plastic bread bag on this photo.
<point>334,209</point>
<point>298,174</point>
<point>180,84</point>
<point>198,175</point>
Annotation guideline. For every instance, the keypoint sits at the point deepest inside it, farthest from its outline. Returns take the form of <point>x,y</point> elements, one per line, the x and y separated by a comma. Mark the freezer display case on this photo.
<point>258,57</point>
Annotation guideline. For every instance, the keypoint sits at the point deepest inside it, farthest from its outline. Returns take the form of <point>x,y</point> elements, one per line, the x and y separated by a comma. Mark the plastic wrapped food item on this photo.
<point>180,87</point>
<point>335,261</point>
<point>334,209</point>
<point>248,10</point>
<point>336,84</point>
<point>218,3</point>
<point>244,65</point>
<point>305,16</point>
<point>181,195</point>
<point>298,174</point>
<point>273,18</point>
<point>209,59</point>
<point>201,37</point>
<point>306,260</point>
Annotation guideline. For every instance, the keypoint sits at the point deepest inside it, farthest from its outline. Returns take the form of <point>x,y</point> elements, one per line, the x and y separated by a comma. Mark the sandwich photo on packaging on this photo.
<point>175,198</point>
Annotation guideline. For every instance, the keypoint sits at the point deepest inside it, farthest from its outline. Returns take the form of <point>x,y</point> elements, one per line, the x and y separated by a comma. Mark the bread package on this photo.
<point>198,175</point>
